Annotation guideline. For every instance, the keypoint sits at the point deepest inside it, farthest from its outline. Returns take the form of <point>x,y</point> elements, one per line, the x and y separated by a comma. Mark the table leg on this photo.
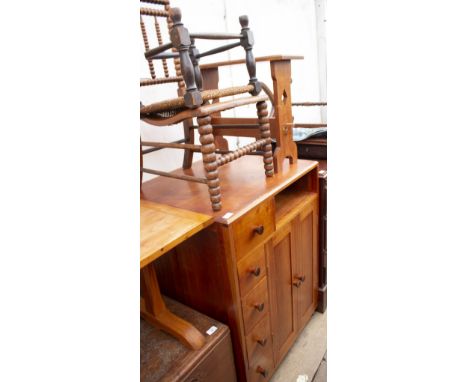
<point>157,314</point>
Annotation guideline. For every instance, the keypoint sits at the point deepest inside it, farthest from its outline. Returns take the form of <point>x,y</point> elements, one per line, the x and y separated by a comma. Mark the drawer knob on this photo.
<point>260,307</point>
<point>262,342</point>
<point>256,271</point>
<point>259,230</point>
<point>262,371</point>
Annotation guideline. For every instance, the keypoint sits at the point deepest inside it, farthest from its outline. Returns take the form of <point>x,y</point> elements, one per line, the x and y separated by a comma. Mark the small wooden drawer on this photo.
<point>259,342</point>
<point>263,368</point>
<point>251,269</point>
<point>255,305</point>
<point>254,227</point>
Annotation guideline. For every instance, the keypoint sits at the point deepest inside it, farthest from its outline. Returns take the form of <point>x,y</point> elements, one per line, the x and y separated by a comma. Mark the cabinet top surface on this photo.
<point>243,185</point>
<point>162,227</point>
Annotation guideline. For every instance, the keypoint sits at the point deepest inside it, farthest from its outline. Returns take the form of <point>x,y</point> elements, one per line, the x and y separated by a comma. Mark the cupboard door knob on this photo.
<point>262,342</point>
<point>259,230</point>
<point>301,278</point>
<point>256,271</point>
<point>262,371</point>
<point>297,284</point>
<point>260,307</point>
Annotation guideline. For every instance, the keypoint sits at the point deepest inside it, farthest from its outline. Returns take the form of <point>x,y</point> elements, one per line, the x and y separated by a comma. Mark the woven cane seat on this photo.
<point>171,107</point>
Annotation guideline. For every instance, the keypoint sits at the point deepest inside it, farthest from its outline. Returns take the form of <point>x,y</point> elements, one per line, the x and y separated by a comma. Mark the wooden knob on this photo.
<point>259,230</point>
<point>260,307</point>
<point>262,341</point>
<point>297,283</point>
<point>262,371</point>
<point>301,278</point>
<point>256,271</point>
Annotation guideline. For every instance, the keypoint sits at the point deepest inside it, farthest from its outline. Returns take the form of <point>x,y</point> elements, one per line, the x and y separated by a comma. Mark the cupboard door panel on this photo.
<point>307,270</point>
<point>281,265</point>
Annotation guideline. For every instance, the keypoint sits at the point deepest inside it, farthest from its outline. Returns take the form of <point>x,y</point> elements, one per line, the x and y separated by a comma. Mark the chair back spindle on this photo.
<point>153,15</point>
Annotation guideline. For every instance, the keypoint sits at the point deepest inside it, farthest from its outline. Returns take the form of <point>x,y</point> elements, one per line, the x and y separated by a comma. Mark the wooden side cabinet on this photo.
<point>256,267</point>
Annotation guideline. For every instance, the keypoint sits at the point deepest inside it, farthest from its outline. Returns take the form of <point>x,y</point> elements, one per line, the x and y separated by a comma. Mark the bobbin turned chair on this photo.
<point>194,102</point>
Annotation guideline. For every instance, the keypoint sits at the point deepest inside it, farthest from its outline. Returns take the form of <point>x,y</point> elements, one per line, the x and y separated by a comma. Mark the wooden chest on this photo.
<point>165,359</point>
<point>312,149</point>
<point>256,268</point>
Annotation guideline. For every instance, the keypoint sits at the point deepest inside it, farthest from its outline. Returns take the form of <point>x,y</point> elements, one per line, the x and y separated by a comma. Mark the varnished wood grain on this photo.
<point>254,227</point>
<point>201,273</point>
<point>259,342</point>
<point>251,269</point>
<point>307,269</point>
<point>285,146</point>
<point>255,305</point>
<point>288,203</point>
<point>282,263</point>
<point>163,227</point>
<point>246,171</point>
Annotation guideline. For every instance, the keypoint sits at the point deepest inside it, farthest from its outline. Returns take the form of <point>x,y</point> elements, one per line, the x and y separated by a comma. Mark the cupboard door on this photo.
<point>306,274</point>
<point>282,295</point>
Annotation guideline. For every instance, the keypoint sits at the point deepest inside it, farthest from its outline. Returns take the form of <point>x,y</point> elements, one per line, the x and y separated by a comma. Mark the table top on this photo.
<point>243,185</point>
<point>275,57</point>
<point>162,227</point>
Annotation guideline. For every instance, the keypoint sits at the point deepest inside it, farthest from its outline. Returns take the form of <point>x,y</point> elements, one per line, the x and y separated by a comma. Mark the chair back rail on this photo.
<point>155,25</point>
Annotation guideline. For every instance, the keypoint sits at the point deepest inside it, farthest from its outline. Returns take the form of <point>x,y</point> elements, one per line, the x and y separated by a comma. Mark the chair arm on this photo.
<point>273,58</point>
<point>155,51</point>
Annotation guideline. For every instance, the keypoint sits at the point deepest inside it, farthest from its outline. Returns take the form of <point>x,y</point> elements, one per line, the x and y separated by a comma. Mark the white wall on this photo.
<point>287,27</point>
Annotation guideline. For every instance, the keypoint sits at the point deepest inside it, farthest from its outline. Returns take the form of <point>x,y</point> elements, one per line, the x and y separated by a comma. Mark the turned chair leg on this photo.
<point>208,148</point>
<point>262,113</point>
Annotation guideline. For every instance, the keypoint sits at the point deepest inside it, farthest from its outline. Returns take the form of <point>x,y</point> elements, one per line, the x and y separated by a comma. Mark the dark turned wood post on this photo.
<point>180,38</point>
<point>247,42</point>
<point>196,68</point>
<point>209,160</point>
<point>262,113</point>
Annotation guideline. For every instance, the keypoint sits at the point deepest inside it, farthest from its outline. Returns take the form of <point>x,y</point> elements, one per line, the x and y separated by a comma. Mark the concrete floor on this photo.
<point>321,374</point>
<point>306,360</point>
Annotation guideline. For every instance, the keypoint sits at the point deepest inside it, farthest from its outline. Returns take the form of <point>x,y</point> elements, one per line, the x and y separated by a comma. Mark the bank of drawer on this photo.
<point>263,368</point>
<point>255,305</point>
<point>258,342</point>
<point>254,227</point>
<point>251,269</point>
